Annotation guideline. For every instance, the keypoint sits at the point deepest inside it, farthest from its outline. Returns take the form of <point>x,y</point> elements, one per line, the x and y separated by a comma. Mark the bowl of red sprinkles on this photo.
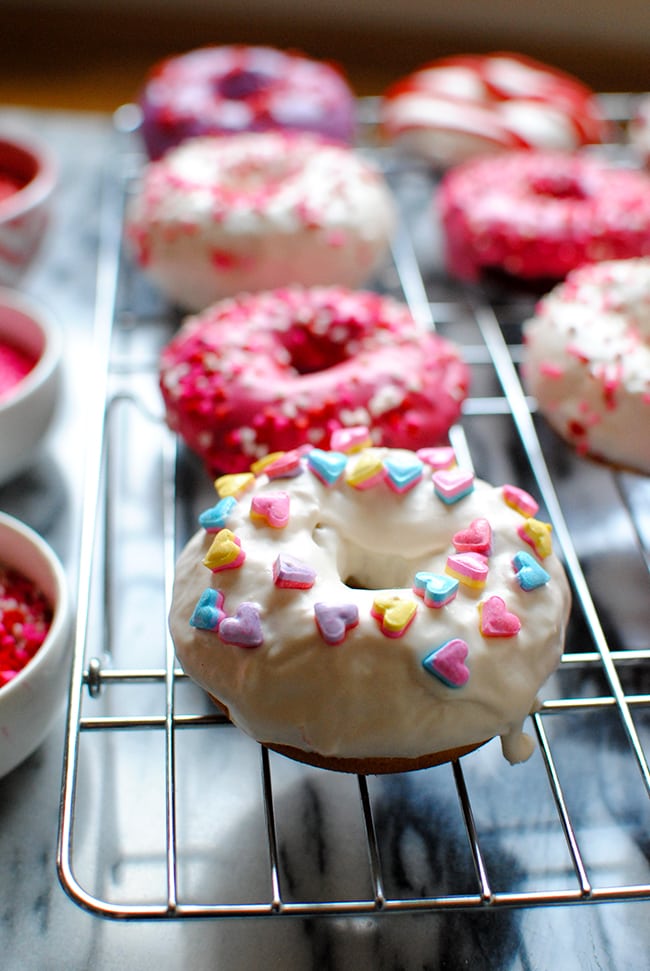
<point>28,177</point>
<point>30,364</point>
<point>35,642</point>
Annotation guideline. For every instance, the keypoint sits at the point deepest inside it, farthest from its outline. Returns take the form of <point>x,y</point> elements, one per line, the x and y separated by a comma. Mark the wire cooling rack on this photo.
<point>167,811</point>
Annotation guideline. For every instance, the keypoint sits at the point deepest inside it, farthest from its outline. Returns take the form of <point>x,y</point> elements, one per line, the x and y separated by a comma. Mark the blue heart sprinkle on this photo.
<point>403,471</point>
<point>328,466</point>
<point>216,517</point>
<point>528,572</point>
<point>436,587</point>
<point>207,614</point>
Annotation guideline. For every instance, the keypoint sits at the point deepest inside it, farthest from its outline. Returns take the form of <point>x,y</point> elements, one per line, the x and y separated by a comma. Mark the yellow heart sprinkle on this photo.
<point>395,613</point>
<point>224,552</point>
<point>233,484</point>
<point>538,534</point>
<point>365,470</point>
<point>258,467</point>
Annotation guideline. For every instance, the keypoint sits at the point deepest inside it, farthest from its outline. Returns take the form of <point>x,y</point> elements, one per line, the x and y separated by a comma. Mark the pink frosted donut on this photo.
<point>292,367</point>
<point>217,216</point>
<point>587,361</point>
<point>459,107</point>
<point>228,89</point>
<point>537,215</point>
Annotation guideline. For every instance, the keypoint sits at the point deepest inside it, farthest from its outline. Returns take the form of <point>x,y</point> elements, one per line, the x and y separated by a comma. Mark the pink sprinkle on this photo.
<point>551,370</point>
<point>520,500</point>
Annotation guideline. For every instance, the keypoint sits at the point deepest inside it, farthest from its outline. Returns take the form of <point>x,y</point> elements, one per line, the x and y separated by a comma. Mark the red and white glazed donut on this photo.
<point>218,216</point>
<point>370,611</point>
<point>587,361</point>
<point>459,107</point>
<point>537,215</point>
<point>291,367</point>
<point>221,90</point>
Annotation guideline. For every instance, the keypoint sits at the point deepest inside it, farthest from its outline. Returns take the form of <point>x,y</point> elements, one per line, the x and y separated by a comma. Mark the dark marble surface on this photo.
<point>119,836</point>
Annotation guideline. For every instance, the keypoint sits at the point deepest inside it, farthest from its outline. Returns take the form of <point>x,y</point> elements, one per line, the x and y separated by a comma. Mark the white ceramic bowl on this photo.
<point>31,702</point>
<point>26,413</point>
<point>25,213</point>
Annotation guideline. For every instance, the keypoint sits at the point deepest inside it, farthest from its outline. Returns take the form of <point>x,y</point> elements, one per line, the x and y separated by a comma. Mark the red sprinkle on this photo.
<point>25,619</point>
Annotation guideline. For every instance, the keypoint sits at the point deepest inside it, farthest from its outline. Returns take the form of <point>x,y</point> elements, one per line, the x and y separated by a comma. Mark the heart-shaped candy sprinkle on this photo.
<point>403,472</point>
<point>291,573</point>
<point>436,589</point>
<point>447,663</point>
<point>477,538</point>
<point>452,484</point>
<point>335,620</point>
<point>470,568</point>
<point>442,457</point>
<point>244,628</point>
<point>538,535</point>
<point>326,466</point>
<point>225,553</point>
<point>529,574</point>
<point>260,465</point>
<point>520,500</point>
<point>271,508</point>
<point>496,620</point>
<point>233,484</point>
<point>287,465</point>
<point>208,613</point>
<point>215,518</point>
<point>351,439</point>
<point>395,614</point>
<point>366,472</point>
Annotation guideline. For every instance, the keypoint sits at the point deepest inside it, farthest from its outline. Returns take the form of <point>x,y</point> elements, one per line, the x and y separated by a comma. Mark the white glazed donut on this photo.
<point>371,610</point>
<point>221,215</point>
<point>460,107</point>
<point>587,361</point>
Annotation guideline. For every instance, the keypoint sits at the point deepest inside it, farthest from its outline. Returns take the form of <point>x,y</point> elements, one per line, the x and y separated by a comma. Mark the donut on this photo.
<point>460,107</point>
<point>375,610</point>
<point>587,361</point>
<point>222,90</point>
<point>217,216</point>
<point>538,215</point>
<point>639,130</point>
<point>291,367</point>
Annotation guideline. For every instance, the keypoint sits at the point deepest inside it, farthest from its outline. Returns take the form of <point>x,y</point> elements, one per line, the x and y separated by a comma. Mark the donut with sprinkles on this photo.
<point>217,216</point>
<point>538,215</point>
<point>371,628</point>
<point>292,367</point>
<point>587,361</point>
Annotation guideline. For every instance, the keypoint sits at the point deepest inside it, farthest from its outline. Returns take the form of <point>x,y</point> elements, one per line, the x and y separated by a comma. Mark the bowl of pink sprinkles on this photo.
<point>35,642</point>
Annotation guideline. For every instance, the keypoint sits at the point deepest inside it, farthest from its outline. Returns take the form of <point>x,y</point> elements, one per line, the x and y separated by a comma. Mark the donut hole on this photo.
<point>558,185</point>
<point>313,349</point>
<point>240,84</point>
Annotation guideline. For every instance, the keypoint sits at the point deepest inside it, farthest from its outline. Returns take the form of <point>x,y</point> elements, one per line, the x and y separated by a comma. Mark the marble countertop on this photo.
<point>420,827</point>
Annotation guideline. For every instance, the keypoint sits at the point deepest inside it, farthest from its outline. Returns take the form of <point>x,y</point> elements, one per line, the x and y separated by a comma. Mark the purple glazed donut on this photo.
<point>226,89</point>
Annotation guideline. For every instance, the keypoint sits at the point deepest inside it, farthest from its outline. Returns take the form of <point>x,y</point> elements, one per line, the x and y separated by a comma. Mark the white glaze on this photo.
<point>218,216</point>
<point>587,360</point>
<point>370,695</point>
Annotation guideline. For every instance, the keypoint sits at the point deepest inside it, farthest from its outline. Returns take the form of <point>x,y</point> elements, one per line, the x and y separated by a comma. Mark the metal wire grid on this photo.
<point>93,676</point>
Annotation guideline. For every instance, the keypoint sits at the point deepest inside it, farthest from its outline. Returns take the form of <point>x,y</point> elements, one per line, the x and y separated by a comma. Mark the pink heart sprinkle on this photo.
<point>244,628</point>
<point>477,538</point>
<point>289,572</point>
<point>496,620</point>
<point>272,507</point>
<point>447,663</point>
<point>335,620</point>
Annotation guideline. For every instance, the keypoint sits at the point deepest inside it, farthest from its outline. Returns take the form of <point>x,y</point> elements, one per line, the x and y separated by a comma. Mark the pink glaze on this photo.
<point>25,618</point>
<point>9,185</point>
<point>537,215</point>
<point>14,366</point>
<point>459,107</point>
<point>278,370</point>
<point>225,89</point>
